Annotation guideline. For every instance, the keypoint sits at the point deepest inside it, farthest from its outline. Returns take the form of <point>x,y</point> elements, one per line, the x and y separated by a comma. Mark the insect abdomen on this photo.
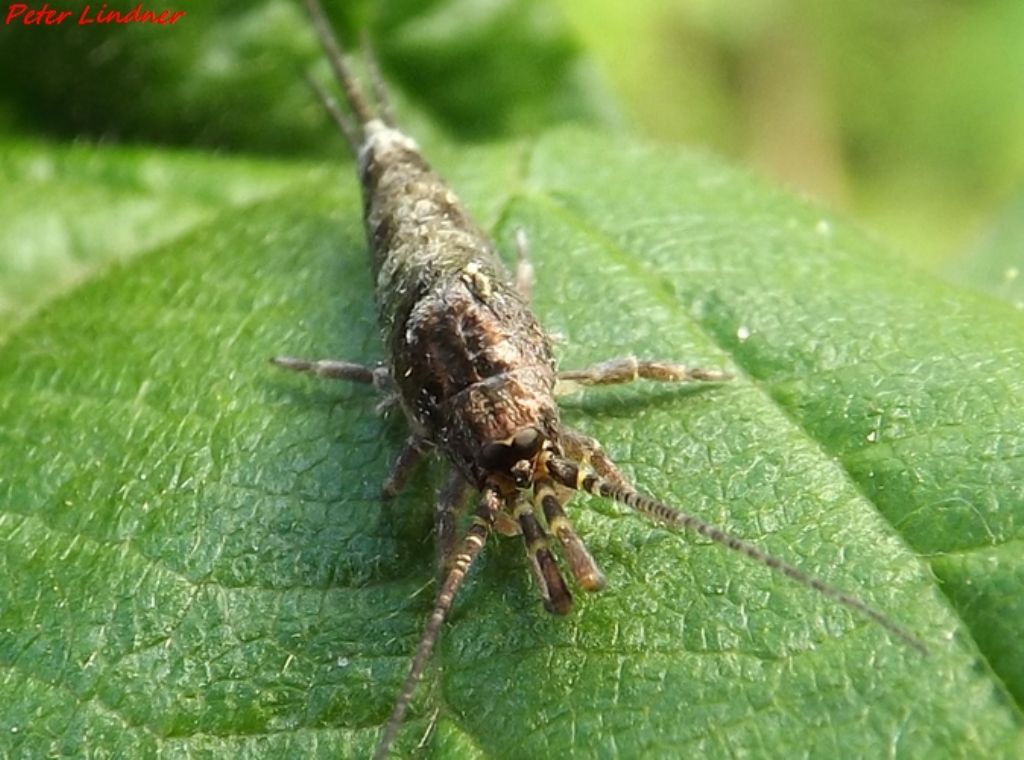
<point>417,230</point>
<point>471,363</point>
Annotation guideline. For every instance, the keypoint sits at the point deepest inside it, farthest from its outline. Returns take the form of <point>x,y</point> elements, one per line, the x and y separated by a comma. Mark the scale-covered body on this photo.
<point>471,364</point>
<point>474,373</point>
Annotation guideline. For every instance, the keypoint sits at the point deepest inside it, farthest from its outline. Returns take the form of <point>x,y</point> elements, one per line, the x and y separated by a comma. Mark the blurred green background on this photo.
<point>909,116</point>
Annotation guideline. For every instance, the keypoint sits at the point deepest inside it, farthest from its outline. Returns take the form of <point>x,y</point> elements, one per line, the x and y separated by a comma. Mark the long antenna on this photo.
<point>472,543</point>
<point>572,475</point>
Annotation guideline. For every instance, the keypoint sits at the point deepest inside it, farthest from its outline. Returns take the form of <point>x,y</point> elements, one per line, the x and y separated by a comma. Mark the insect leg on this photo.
<point>472,543</point>
<point>524,269</point>
<point>405,463</point>
<point>582,478</point>
<point>583,448</point>
<point>557,598</point>
<point>629,368</point>
<point>584,570</point>
<point>377,376</point>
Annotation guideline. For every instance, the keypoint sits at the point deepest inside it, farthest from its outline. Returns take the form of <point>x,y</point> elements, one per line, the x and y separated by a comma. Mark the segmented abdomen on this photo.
<point>471,363</point>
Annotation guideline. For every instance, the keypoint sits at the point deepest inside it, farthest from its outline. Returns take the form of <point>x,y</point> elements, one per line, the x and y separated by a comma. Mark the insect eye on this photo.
<point>496,456</point>
<point>524,445</point>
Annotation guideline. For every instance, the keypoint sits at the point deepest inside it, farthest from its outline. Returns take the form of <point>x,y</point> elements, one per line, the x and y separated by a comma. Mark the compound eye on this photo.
<point>496,457</point>
<point>526,443</point>
<point>501,457</point>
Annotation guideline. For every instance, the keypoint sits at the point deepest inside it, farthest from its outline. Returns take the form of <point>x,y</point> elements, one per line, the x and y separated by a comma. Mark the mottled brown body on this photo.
<point>471,364</point>
<point>474,373</point>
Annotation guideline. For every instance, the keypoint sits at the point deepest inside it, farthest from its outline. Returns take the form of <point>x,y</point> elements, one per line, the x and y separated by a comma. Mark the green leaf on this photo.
<point>197,563</point>
<point>68,213</point>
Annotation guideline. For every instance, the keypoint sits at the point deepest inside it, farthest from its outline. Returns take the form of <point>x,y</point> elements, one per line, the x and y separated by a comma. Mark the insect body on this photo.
<point>474,374</point>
